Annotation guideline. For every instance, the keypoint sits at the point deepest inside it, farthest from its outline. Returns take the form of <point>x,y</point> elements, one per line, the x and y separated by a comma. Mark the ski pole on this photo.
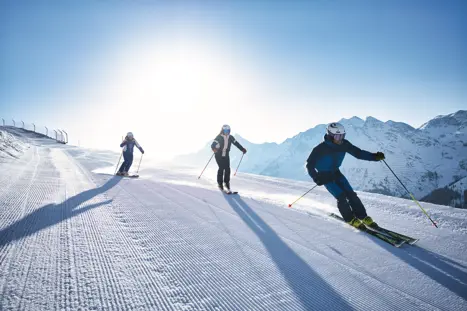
<point>239,165</point>
<point>141,159</point>
<point>206,166</point>
<point>290,205</point>
<point>412,196</point>
<point>118,163</point>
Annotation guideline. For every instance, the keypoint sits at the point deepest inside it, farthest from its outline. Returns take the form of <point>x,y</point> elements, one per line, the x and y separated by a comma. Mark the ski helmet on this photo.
<point>129,135</point>
<point>336,131</point>
<point>226,129</point>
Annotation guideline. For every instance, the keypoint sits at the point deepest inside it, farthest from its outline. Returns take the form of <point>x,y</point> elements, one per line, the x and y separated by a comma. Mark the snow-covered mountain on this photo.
<point>459,187</point>
<point>430,157</point>
<point>453,194</point>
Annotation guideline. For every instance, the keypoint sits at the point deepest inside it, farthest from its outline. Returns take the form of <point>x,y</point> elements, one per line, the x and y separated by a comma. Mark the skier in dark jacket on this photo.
<point>221,147</point>
<point>128,145</point>
<point>323,166</point>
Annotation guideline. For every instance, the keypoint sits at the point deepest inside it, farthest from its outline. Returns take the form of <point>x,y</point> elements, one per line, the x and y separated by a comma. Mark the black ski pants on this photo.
<point>224,169</point>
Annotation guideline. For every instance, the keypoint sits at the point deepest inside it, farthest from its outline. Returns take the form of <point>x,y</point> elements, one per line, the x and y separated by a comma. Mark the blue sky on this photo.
<point>274,68</point>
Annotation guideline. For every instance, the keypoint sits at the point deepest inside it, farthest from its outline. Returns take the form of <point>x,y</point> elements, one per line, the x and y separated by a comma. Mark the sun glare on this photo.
<point>176,89</point>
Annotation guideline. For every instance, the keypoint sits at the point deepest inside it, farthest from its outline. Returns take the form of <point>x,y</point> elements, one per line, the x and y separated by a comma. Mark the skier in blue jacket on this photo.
<point>128,145</point>
<point>323,166</point>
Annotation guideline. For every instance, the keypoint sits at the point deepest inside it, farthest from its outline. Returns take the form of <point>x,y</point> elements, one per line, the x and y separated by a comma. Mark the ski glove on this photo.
<point>244,150</point>
<point>379,156</point>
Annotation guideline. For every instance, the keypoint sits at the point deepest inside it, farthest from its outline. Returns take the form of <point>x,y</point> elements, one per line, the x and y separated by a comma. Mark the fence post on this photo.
<point>61,136</point>
<point>34,127</point>
<point>465,198</point>
<point>3,120</point>
<point>46,131</point>
<point>23,123</point>
<point>14,123</point>
<point>66,136</point>
<point>56,135</point>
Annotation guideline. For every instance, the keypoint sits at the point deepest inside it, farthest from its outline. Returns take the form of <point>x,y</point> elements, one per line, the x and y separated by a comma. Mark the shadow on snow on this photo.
<point>311,290</point>
<point>52,214</point>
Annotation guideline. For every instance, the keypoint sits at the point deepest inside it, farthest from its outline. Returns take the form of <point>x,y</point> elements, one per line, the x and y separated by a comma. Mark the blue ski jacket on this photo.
<point>327,157</point>
<point>129,144</point>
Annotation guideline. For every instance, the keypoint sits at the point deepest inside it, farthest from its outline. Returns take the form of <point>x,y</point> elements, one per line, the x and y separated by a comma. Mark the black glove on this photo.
<point>244,150</point>
<point>379,156</point>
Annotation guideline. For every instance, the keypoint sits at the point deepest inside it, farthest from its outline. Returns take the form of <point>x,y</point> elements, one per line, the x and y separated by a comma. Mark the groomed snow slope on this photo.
<point>74,237</point>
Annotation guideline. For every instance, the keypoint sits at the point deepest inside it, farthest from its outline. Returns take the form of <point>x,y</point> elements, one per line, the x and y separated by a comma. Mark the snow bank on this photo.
<point>10,146</point>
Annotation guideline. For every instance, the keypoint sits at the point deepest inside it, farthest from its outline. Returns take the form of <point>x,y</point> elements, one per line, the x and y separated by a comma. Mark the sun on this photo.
<point>170,87</point>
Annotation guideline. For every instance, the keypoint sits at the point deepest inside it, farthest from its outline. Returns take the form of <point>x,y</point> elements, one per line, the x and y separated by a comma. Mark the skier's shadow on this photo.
<point>308,286</point>
<point>52,214</point>
<point>444,271</point>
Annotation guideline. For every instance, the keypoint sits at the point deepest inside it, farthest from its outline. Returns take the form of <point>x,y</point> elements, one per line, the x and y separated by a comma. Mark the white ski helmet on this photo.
<point>226,129</point>
<point>130,135</point>
<point>336,131</point>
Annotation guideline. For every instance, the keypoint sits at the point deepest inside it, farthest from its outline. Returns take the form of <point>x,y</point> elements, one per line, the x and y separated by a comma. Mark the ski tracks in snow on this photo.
<point>351,272</point>
<point>73,240</point>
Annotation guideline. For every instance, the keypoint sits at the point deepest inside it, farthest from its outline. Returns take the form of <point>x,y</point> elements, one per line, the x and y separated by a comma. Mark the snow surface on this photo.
<point>75,237</point>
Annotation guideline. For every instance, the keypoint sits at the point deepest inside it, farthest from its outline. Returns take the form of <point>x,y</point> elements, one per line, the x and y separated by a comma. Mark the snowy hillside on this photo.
<point>75,237</point>
<point>453,194</point>
<point>426,159</point>
<point>10,145</point>
<point>459,187</point>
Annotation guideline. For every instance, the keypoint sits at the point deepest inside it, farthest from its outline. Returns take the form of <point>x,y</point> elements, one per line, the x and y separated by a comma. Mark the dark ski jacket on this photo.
<point>129,144</point>
<point>327,157</point>
<point>223,148</point>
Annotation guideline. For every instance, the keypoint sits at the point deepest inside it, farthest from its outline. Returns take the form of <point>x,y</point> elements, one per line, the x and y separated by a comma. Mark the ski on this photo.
<point>406,238</point>
<point>394,241</point>
<point>229,192</point>
<point>130,176</point>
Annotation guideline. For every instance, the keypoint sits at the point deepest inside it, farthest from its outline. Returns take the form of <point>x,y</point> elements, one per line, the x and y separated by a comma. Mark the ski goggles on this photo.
<point>226,131</point>
<point>338,137</point>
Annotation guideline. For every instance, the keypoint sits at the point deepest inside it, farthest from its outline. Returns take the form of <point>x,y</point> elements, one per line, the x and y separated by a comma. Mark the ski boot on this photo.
<point>119,173</point>
<point>125,174</point>
<point>367,221</point>
<point>221,188</point>
<point>357,223</point>
<point>227,186</point>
